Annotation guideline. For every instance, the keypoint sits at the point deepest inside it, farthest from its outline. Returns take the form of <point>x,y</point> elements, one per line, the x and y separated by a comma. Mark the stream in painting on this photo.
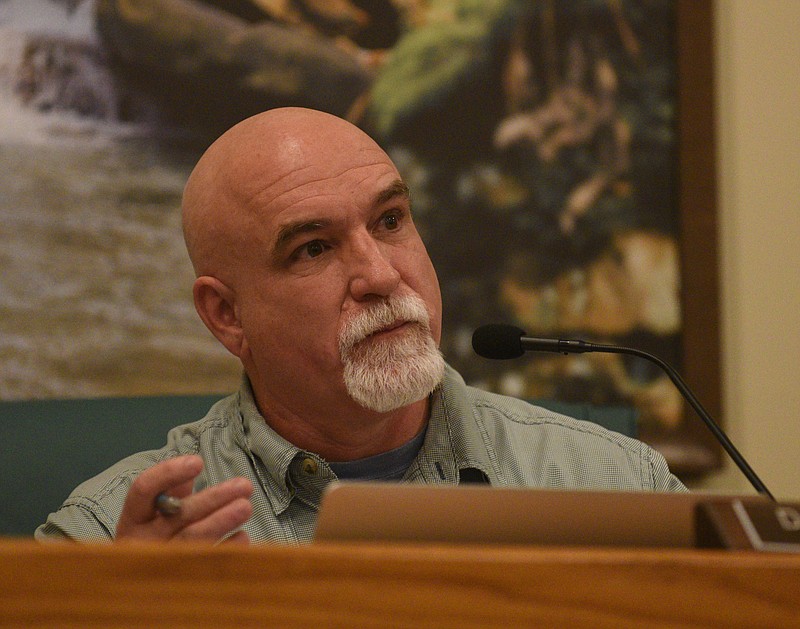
<point>95,289</point>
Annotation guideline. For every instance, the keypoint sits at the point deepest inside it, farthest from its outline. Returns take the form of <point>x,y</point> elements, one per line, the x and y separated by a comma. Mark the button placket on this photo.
<point>309,466</point>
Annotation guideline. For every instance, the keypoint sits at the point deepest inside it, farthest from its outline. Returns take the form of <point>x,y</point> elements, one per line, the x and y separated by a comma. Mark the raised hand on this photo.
<point>210,514</point>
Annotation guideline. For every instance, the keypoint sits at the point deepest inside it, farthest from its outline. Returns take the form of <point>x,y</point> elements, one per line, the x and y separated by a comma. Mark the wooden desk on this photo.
<point>361,585</point>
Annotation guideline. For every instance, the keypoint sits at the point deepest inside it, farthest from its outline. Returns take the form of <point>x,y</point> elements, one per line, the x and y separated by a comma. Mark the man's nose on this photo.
<point>371,271</point>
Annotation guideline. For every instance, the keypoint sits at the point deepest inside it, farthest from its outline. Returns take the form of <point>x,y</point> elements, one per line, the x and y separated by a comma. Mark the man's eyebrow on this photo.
<point>286,233</point>
<point>290,231</point>
<point>398,188</point>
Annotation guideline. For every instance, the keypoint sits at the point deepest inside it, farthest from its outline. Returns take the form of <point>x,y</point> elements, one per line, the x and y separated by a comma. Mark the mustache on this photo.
<point>380,316</point>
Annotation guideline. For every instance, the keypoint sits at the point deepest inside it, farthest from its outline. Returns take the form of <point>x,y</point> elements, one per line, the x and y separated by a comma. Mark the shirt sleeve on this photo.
<point>663,479</point>
<point>91,512</point>
<point>76,522</point>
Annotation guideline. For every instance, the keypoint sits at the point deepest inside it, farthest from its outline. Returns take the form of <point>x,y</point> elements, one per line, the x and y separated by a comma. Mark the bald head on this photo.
<point>237,174</point>
<point>297,223</point>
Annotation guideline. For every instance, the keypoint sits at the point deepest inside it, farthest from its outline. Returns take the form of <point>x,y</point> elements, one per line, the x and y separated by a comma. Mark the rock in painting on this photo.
<point>212,67</point>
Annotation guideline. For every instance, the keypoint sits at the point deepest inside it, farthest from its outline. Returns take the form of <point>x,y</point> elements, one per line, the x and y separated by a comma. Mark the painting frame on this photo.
<point>698,237</point>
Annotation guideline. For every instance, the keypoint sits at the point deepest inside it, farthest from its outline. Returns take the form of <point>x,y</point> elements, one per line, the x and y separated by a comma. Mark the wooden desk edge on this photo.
<point>420,585</point>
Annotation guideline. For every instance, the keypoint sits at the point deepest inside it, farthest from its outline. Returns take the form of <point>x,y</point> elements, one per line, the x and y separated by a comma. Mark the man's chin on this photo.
<point>388,385</point>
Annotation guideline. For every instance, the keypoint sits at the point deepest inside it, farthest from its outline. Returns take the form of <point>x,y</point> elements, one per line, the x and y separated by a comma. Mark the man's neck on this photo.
<point>351,434</point>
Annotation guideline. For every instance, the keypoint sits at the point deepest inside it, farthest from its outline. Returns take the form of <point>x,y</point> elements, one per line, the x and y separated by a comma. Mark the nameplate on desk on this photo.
<point>754,525</point>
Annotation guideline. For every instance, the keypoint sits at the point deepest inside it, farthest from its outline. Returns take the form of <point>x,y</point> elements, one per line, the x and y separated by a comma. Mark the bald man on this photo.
<point>311,272</point>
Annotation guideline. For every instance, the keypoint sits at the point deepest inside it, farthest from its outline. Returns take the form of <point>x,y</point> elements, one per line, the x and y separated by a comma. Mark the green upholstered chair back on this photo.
<point>51,446</point>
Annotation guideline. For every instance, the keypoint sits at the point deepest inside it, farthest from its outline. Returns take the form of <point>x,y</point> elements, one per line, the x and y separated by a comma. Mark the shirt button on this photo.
<point>309,466</point>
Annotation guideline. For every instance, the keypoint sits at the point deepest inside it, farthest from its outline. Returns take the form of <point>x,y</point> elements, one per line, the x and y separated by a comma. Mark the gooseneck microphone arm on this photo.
<point>506,341</point>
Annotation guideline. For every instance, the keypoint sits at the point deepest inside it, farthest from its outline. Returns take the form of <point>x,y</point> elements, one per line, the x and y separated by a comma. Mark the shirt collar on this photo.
<point>454,440</point>
<point>271,454</point>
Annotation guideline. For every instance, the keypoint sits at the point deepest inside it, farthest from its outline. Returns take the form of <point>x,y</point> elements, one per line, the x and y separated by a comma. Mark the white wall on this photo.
<point>758,118</point>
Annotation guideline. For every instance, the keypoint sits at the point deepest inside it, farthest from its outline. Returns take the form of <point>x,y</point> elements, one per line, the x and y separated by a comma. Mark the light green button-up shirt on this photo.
<point>503,440</point>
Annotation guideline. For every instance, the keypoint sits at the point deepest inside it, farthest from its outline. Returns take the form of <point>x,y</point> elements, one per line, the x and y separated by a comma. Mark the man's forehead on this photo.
<point>268,175</point>
<point>295,223</point>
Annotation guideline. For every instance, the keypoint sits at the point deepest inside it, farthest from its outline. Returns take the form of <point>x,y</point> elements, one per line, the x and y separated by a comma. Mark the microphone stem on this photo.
<point>740,461</point>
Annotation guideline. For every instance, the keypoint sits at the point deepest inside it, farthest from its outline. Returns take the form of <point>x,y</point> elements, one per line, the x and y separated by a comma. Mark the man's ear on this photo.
<point>216,305</point>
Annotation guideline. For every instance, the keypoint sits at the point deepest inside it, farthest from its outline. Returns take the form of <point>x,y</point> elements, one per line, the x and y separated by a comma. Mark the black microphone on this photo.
<point>500,341</point>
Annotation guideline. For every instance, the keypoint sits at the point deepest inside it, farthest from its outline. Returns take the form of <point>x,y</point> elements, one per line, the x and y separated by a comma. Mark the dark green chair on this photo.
<point>51,446</point>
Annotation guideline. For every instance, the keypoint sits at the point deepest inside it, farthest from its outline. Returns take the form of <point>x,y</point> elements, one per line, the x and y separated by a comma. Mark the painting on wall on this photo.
<point>558,155</point>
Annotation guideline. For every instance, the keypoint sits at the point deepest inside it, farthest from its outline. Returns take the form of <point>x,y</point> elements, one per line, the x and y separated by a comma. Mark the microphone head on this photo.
<point>498,341</point>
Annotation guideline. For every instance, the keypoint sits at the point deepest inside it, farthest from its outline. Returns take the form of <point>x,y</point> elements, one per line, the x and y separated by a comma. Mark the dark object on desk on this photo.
<point>748,525</point>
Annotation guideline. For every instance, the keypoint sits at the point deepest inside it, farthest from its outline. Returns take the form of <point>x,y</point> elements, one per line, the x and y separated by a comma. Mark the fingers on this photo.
<point>210,514</point>
<point>174,476</point>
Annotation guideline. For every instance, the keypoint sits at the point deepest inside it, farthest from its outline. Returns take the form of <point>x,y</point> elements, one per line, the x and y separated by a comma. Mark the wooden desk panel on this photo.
<point>361,585</point>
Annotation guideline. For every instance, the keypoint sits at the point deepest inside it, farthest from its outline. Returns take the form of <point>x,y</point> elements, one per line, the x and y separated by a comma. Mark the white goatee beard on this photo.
<point>387,374</point>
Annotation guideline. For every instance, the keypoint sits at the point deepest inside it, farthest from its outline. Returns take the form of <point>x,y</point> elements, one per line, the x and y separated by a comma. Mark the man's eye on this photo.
<point>313,249</point>
<point>391,221</point>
